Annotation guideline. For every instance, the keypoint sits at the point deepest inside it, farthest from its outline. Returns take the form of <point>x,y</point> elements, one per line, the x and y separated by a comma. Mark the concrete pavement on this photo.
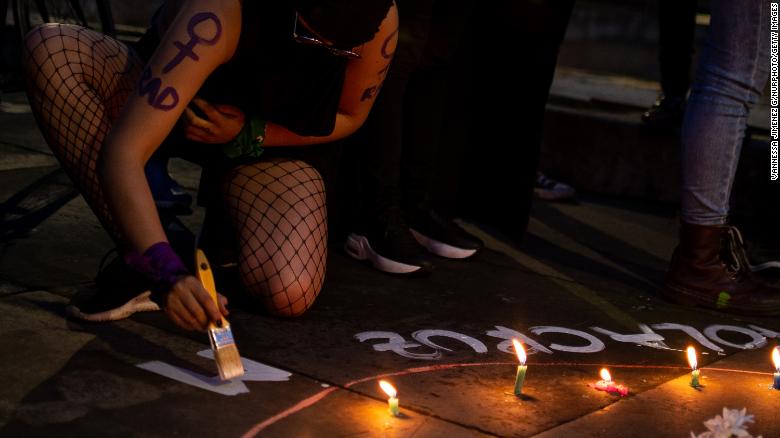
<point>582,290</point>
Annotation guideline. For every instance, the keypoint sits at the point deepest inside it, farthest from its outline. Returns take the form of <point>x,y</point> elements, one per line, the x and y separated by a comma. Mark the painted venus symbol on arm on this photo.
<point>166,99</point>
<point>188,50</point>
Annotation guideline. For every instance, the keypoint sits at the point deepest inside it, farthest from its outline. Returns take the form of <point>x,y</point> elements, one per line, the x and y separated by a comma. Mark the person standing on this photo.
<point>709,267</point>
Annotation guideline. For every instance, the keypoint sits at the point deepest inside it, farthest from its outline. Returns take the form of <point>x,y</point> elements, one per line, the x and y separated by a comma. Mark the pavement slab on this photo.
<point>737,382</point>
<point>581,292</point>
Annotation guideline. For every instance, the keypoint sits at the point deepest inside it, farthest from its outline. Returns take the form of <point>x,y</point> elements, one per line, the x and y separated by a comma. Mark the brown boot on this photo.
<point>709,268</point>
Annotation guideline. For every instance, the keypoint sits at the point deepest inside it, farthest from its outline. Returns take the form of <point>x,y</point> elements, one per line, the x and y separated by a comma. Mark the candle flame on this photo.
<point>776,358</point>
<point>605,376</point>
<point>388,388</point>
<point>692,357</point>
<point>520,351</point>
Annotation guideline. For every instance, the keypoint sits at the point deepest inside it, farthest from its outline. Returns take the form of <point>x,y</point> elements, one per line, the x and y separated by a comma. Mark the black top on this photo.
<point>270,75</point>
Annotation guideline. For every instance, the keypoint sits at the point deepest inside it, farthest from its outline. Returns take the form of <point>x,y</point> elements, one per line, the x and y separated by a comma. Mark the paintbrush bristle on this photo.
<point>226,353</point>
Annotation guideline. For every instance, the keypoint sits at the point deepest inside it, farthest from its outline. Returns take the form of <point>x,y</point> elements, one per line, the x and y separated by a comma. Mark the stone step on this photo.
<point>594,140</point>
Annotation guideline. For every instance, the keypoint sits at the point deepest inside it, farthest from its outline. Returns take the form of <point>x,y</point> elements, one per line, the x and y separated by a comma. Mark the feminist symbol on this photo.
<point>188,50</point>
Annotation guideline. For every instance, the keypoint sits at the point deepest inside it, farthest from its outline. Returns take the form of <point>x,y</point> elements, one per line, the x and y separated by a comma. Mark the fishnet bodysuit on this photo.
<point>78,81</point>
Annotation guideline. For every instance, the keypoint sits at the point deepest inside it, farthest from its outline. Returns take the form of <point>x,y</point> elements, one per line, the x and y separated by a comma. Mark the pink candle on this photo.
<point>606,384</point>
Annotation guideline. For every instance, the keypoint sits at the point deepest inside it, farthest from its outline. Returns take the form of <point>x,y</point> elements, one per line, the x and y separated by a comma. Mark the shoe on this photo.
<point>120,292</point>
<point>390,247</point>
<point>549,189</point>
<point>167,193</point>
<point>709,268</point>
<point>666,114</point>
<point>442,236</point>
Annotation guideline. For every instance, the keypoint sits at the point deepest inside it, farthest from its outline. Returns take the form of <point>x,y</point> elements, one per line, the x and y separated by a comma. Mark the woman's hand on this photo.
<point>221,125</point>
<point>190,306</point>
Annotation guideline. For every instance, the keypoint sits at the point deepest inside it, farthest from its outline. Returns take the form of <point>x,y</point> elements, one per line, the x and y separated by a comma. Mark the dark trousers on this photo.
<point>393,156</point>
<point>513,55</point>
<point>677,26</point>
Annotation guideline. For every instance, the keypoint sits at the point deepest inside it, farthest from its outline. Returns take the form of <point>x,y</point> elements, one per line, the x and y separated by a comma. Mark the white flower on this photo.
<point>733,423</point>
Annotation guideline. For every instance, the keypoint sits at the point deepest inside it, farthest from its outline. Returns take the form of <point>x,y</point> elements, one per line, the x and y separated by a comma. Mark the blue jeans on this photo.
<point>730,77</point>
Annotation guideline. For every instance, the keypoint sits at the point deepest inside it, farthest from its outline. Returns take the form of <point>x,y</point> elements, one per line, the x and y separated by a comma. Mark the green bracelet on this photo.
<point>248,142</point>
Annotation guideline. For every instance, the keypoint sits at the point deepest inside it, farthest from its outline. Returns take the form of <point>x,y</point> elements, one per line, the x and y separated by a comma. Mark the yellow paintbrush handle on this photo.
<point>203,269</point>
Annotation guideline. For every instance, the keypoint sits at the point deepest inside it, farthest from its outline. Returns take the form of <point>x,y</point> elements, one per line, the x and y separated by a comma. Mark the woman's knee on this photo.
<point>278,209</point>
<point>288,301</point>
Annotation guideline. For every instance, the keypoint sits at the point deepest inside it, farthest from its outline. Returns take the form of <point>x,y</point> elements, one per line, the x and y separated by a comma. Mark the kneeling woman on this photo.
<point>303,72</point>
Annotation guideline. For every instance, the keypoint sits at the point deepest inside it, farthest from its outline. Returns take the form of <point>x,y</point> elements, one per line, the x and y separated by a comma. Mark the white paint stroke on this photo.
<point>255,371</point>
<point>648,338</point>
<point>397,344</point>
<point>422,336</point>
<point>213,384</point>
<point>508,334</point>
<point>765,332</point>
<point>690,331</point>
<point>758,340</point>
<point>594,344</point>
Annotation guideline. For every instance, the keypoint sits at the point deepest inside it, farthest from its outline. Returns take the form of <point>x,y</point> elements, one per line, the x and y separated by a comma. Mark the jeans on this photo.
<point>730,77</point>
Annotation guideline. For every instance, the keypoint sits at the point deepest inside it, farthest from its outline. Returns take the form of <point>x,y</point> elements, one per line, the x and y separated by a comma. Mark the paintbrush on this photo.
<point>225,351</point>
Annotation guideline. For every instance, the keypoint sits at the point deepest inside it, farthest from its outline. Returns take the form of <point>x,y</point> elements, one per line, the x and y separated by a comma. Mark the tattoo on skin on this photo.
<point>166,99</point>
<point>372,91</point>
<point>188,50</point>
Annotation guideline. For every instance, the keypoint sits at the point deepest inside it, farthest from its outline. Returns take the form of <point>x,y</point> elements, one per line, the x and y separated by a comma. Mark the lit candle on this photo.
<point>776,360</point>
<point>606,380</point>
<point>692,361</point>
<point>520,377</point>
<point>392,402</point>
<point>608,385</point>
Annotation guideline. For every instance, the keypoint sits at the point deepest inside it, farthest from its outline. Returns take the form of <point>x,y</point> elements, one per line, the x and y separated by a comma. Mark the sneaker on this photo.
<point>442,236</point>
<point>390,248</point>
<point>120,292</point>
<point>549,189</point>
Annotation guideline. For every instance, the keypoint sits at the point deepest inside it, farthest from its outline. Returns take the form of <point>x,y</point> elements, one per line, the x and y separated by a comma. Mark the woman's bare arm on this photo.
<point>203,35</point>
<point>362,83</point>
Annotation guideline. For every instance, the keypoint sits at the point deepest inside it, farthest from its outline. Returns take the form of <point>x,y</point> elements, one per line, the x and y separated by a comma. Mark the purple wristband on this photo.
<point>160,264</point>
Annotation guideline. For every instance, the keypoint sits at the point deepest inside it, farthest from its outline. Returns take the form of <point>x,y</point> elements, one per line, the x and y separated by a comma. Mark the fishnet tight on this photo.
<point>278,210</point>
<point>78,81</point>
